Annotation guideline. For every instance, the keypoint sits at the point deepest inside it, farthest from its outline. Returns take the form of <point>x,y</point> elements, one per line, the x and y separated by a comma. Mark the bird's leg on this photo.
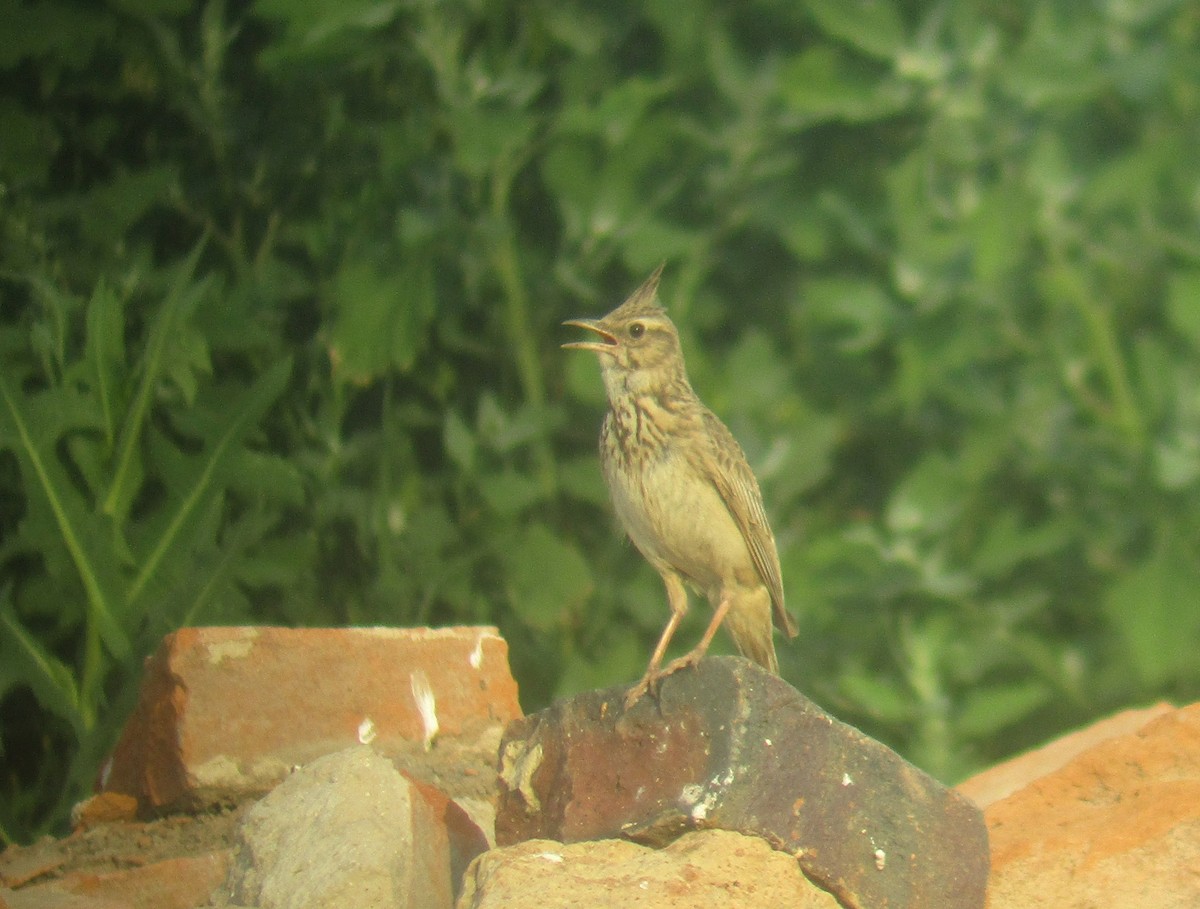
<point>677,598</point>
<point>693,656</point>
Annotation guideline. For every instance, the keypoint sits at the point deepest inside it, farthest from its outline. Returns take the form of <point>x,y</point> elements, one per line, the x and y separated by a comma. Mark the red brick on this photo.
<point>104,808</point>
<point>1003,780</point>
<point>1116,825</point>
<point>466,839</point>
<point>226,712</point>
<point>180,883</point>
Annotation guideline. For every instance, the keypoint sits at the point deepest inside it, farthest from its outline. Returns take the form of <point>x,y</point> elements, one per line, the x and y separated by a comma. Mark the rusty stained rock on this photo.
<point>730,746</point>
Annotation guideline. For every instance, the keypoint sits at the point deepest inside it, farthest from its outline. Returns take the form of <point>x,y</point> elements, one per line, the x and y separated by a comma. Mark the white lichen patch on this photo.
<point>221,770</point>
<point>237,649</point>
<point>227,775</point>
<point>366,731</point>
<point>422,693</point>
<point>699,801</point>
<point>518,764</point>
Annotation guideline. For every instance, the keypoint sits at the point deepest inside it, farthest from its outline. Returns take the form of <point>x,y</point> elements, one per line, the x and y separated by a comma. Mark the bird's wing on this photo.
<point>725,466</point>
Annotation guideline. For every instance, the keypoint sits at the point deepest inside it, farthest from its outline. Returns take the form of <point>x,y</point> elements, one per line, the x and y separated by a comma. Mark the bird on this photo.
<point>682,489</point>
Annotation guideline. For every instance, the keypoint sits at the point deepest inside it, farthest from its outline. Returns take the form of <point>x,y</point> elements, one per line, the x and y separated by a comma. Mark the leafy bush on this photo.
<point>281,290</point>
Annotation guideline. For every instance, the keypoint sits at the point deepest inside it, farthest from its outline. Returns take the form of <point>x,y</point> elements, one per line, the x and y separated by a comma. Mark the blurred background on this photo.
<point>280,292</point>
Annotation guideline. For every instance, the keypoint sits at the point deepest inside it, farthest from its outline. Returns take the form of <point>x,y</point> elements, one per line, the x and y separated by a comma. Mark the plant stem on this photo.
<point>1098,321</point>
<point>506,261</point>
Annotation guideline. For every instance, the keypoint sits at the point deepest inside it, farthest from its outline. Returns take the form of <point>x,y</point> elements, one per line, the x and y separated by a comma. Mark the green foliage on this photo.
<point>124,530</point>
<point>280,286</point>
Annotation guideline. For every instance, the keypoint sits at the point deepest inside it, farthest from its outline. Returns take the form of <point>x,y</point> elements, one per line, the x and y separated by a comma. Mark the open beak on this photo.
<point>605,343</point>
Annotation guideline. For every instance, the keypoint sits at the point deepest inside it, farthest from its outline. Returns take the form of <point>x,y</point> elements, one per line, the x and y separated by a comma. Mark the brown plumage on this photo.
<point>681,487</point>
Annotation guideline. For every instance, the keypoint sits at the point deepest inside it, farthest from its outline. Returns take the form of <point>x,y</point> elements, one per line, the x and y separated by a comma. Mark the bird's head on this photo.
<point>637,343</point>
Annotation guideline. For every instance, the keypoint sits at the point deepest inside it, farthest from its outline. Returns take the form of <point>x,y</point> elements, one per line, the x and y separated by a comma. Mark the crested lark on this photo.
<point>682,488</point>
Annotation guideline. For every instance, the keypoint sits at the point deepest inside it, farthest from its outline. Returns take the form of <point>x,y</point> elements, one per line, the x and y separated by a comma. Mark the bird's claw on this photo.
<point>648,685</point>
<point>653,678</point>
<point>687,661</point>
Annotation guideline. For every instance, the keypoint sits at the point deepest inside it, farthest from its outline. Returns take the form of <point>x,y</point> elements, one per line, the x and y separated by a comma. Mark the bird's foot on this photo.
<point>647,685</point>
<point>653,677</point>
<point>687,661</point>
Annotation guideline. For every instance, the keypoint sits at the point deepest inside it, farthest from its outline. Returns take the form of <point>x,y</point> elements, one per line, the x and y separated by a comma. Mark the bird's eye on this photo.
<point>636,330</point>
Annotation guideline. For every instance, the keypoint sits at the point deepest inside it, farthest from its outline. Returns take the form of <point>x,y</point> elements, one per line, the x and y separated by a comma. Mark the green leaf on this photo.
<point>755,372</point>
<point>799,222</point>
<point>510,493</point>
<point>1177,461</point>
<point>872,26</point>
<point>1008,543</point>
<point>1158,377</point>
<point>259,474</point>
<point>928,499</point>
<point>380,318</point>
<point>28,428</point>
<point>154,362</point>
<point>199,477</point>
<point>153,8</point>
<point>569,168</point>
<point>618,111</point>
<point>877,697</point>
<point>1002,229</point>
<point>51,680</point>
<point>208,587</point>
<point>858,310</point>
<point>1183,305</point>
<point>1156,615</point>
<point>620,657</point>
<point>821,83</point>
<point>64,34</point>
<point>112,208</point>
<point>1058,63</point>
<point>187,362</point>
<point>105,351</point>
<point>581,478</point>
<point>989,710</point>
<point>584,382</point>
<point>800,456</point>
<point>317,27</point>
<point>548,580</point>
<point>484,138</point>
<point>459,441</point>
<point>28,141</point>
<point>505,431</point>
<point>649,240</point>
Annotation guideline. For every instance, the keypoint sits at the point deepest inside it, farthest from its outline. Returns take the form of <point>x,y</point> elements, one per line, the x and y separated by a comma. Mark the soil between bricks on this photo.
<point>115,846</point>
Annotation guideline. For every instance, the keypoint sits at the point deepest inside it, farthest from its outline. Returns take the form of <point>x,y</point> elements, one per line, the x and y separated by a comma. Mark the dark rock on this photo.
<point>729,746</point>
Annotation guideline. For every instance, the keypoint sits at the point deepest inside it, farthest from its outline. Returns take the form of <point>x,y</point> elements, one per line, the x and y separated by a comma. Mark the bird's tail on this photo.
<point>749,624</point>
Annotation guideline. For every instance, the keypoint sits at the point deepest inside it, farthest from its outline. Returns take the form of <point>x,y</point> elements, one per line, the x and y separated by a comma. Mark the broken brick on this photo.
<point>225,713</point>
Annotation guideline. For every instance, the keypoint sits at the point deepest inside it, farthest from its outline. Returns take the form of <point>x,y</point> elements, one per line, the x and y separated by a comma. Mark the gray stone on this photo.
<point>727,745</point>
<point>346,831</point>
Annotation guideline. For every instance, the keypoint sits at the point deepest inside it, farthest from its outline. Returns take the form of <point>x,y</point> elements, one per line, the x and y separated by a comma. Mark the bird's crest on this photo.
<point>643,301</point>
